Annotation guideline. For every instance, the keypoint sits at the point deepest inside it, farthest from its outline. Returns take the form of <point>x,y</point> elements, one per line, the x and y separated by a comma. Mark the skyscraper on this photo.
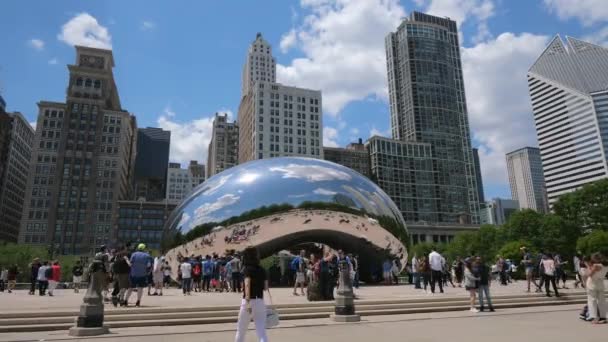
<point>223,147</point>
<point>428,105</point>
<point>568,87</point>
<point>151,163</point>
<point>276,120</point>
<point>526,179</point>
<point>480,195</point>
<point>16,139</point>
<point>82,162</point>
<point>197,173</point>
<point>181,181</point>
<point>354,156</point>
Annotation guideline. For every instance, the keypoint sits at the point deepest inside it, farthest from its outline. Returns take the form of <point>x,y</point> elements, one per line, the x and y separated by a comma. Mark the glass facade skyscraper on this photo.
<point>151,163</point>
<point>428,105</point>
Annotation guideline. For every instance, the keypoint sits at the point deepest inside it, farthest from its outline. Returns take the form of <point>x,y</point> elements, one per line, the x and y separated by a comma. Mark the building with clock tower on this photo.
<point>82,161</point>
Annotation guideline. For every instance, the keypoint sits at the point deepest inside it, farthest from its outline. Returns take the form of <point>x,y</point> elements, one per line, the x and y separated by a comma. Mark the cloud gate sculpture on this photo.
<point>280,203</point>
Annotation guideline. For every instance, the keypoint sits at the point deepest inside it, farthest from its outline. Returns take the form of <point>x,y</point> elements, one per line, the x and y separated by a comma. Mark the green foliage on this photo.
<point>512,250</point>
<point>424,248</point>
<point>596,241</point>
<point>586,207</point>
<point>23,255</point>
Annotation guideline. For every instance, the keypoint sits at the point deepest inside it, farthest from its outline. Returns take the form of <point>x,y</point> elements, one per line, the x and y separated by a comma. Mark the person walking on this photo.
<point>34,267</point>
<point>77,272</point>
<point>186,271</point>
<point>458,267</point>
<point>483,273</point>
<point>415,271</point>
<point>256,281</point>
<point>549,274</point>
<point>140,262</point>
<point>528,265</point>
<point>425,272</point>
<point>436,263</point>
<point>576,262</point>
<point>166,274</point>
<point>596,298</point>
<point>121,269</point>
<point>44,272</point>
<point>560,272</point>
<point>298,264</point>
<point>236,267</point>
<point>157,276</point>
<point>470,284</point>
<point>55,277</point>
<point>3,278</point>
<point>13,271</point>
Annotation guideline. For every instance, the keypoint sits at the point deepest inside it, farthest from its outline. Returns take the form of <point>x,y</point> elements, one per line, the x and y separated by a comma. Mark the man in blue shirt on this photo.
<point>140,262</point>
<point>207,272</point>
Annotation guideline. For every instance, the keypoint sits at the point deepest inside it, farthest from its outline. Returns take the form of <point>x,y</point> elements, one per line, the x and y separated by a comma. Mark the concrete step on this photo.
<point>111,311</point>
<point>328,307</point>
<point>123,321</point>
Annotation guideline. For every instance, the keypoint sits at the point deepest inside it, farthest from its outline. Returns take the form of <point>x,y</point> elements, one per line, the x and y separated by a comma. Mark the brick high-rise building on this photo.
<point>276,120</point>
<point>16,139</point>
<point>82,161</point>
<point>224,145</point>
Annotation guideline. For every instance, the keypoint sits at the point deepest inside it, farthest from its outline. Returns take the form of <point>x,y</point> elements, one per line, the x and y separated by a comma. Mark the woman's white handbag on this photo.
<point>272,315</point>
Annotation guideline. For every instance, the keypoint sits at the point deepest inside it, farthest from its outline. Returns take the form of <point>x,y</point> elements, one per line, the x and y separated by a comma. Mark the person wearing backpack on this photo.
<point>43,282</point>
<point>207,273</point>
<point>197,274</point>
<point>298,264</point>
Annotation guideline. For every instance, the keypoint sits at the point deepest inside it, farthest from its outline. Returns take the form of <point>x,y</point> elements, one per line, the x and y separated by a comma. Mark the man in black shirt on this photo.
<point>77,276</point>
<point>483,273</point>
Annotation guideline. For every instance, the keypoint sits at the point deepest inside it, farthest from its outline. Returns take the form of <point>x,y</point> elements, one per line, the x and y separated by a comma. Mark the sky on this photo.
<point>178,63</point>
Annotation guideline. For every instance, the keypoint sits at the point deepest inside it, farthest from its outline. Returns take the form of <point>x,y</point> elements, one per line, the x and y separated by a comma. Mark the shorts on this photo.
<point>469,288</point>
<point>77,279</point>
<point>138,281</point>
<point>300,277</point>
<point>123,281</point>
<point>529,271</point>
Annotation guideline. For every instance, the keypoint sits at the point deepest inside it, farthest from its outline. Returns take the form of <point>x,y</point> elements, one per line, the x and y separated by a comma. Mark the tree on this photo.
<point>586,207</point>
<point>596,241</point>
<point>524,225</point>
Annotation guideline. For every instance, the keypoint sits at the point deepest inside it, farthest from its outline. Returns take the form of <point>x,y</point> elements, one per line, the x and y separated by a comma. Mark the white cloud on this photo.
<point>324,192</point>
<point>337,38</point>
<point>461,11</point>
<point>375,131</point>
<point>288,40</point>
<point>599,37</point>
<point>311,173</point>
<point>36,44</point>
<point>499,107</point>
<point>52,61</point>
<point>33,124</point>
<point>83,29</point>
<point>204,213</point>
<point>329,136</point>
<point>189,140</point>
<point>354,131</point>
<point>587,12</point>
<point>147,25</point>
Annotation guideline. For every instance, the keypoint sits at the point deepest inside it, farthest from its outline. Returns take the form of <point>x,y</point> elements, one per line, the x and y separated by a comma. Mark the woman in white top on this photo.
<point>549,274</point>
<point>596,299</point>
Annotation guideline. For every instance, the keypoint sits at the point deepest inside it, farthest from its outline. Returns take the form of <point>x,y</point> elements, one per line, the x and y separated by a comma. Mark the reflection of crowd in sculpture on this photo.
<point>241,233</point>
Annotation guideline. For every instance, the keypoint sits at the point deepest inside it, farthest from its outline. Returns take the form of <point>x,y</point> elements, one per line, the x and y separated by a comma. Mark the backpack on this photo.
<point>48,273</point>
<point>197,269</point>
<point>295,264</point>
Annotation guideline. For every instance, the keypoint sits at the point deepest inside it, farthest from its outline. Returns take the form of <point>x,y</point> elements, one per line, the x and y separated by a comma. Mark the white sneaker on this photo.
<point>474,310</point>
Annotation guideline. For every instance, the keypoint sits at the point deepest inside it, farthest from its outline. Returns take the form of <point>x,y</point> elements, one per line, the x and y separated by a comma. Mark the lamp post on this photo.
<point>345,298</point>
<point>90,319</point>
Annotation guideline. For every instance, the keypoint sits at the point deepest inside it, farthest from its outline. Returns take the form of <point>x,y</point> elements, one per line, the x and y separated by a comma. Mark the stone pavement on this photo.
<point>68,300</point>
<point>540,324</point>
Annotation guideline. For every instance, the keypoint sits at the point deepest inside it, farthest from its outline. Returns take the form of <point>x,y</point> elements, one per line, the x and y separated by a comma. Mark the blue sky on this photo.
<point>177,63</point>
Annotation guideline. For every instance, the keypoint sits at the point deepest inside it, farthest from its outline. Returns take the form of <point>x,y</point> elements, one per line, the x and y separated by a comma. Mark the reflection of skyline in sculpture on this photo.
<point>256,190</point>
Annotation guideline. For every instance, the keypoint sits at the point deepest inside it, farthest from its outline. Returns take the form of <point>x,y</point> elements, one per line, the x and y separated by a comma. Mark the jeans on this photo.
<point>186,285</point>
<point>416,280</point>
<point>206,282</point>
<point>236,282</point>
<point>484,289</point>
<point>258,309</point>
<point>42,286</point>
<point>551,279</point>
<point>436,277</point>
<point>33,283</point>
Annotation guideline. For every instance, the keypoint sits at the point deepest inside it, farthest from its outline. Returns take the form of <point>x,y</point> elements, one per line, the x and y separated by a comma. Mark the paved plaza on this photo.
<point>68,300</point>
<point>540,324</point>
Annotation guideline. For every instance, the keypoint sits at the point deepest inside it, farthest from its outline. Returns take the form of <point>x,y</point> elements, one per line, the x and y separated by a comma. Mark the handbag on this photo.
<point>272,315</point>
